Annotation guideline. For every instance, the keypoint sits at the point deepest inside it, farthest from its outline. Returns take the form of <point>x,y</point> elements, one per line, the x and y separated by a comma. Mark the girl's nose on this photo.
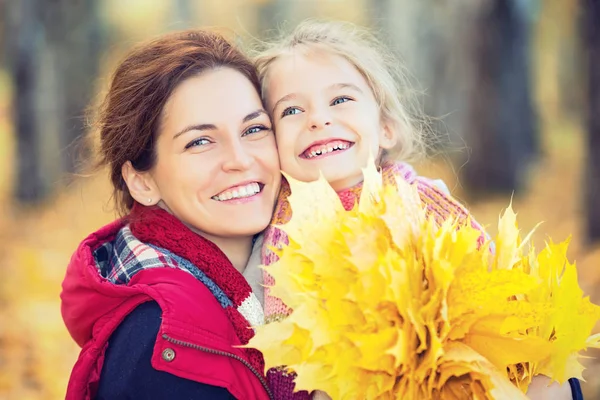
<point>319,120</point>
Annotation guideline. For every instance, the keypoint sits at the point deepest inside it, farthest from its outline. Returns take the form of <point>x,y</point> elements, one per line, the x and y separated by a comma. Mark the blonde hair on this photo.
<point>383,72</point>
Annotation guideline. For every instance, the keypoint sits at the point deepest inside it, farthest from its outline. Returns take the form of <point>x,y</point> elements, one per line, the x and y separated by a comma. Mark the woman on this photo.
<point>161,300</point>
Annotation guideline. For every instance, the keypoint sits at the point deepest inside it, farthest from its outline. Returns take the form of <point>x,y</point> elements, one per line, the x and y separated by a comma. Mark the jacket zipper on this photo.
<point>222,353</point>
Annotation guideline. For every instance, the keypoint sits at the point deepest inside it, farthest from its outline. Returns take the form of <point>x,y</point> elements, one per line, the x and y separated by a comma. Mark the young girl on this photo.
<point>336,98</point>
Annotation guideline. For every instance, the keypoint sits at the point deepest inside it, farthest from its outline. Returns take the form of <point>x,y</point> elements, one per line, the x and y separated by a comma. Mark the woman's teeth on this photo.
<point>239,192</point>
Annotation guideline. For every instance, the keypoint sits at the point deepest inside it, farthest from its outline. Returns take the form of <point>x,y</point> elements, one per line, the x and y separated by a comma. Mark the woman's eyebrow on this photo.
<point>254,115</point>
<point>195,127</point>
<point>212,127</point>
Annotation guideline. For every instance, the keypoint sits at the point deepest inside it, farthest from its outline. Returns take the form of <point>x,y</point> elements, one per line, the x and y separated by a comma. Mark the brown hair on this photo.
<point>130,114</point>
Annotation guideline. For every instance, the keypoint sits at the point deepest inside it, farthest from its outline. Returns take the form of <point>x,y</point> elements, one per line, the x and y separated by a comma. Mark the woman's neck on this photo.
<point>236,249</point>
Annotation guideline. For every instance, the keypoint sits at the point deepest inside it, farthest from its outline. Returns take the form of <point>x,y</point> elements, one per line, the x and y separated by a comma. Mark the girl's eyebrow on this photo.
<point>350,86</point>
<point>335,86</point>
<point>290,96</point>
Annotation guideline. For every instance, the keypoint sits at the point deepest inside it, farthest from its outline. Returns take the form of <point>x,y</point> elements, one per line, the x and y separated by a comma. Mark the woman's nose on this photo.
<point>237,158</point>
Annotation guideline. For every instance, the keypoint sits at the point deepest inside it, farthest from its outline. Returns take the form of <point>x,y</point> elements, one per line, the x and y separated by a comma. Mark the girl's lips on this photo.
<point>326,148</point>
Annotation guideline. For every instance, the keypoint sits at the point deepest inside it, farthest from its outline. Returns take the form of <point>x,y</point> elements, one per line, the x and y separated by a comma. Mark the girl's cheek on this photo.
<point>287,150</point>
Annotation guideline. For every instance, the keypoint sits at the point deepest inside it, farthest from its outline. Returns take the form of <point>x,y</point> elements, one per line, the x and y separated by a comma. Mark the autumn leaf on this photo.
<point>387,304</point>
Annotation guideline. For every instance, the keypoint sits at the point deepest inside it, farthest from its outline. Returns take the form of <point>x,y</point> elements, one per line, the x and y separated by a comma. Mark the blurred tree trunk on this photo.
<point>421,42</point>
<point>73,35</point>
<point>3,30</point>
<point>53,50</point>
<point>277,15</point>
<point>502,126</point>
<point>182,14</point>
<point>270,14</point>
<point>591,15</point>
<point>22,54</point>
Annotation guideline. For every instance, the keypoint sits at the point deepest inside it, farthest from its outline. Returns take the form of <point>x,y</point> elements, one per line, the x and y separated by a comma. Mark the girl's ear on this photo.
<point>141,185</point>
<point>388,136</point>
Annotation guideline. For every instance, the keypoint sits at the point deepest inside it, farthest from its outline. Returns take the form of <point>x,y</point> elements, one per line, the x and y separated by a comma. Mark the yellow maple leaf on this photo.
<point>565,317</point>
<point>387,304</point>
<point>466,374</point>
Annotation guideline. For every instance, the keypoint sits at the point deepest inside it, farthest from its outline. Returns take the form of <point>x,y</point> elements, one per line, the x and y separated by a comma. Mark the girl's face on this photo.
<point>217,166</point>
<point>325,117</point>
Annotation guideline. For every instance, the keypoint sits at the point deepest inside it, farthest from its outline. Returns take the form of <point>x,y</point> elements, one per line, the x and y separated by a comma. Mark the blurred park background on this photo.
<point>513,87</point>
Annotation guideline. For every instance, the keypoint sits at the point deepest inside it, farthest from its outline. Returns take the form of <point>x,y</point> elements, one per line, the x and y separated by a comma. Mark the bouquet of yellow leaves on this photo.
<point>388,305</point>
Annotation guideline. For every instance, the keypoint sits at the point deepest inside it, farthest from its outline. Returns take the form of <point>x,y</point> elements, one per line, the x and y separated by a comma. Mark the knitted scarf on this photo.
<point>156,234</point>
<point>438,203</point>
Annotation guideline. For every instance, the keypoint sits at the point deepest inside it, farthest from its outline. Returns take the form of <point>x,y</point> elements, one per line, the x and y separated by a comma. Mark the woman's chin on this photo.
<point>238,228</point>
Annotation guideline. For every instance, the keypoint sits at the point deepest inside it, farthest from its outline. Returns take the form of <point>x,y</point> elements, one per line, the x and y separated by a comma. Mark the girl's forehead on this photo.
<point>322,63</point>
<point>311,72</point>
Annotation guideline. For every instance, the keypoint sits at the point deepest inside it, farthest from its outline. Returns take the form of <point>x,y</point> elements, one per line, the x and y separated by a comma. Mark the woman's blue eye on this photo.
<point>290,111</point>
<point>198,142</point>
<point>340,100</point>
<point>255,129</point>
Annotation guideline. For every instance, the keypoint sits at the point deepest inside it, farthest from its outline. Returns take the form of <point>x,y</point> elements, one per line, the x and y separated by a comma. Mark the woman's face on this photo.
<point>217,166</point>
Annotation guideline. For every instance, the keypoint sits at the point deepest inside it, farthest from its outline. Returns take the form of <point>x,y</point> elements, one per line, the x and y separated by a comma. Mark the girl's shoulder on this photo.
<point>435,195</point>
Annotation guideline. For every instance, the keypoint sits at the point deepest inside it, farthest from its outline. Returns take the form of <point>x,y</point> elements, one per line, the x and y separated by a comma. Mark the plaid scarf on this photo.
<point>156,239</point>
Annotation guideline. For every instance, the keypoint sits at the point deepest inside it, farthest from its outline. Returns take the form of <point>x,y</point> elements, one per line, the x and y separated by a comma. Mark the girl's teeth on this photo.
<point>328,149</point>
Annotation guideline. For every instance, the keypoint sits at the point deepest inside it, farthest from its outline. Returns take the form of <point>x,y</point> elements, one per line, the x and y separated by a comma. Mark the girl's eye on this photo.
<point>255,129</point>
<point>290,111</point>
<point>340,100</point>
<point>198,142</point>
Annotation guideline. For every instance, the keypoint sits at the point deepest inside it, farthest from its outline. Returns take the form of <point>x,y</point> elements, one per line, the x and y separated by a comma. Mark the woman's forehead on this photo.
<point>217,96</point>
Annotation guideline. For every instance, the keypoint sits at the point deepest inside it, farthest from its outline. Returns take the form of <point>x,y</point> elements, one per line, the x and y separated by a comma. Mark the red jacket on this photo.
<point>196,340</point>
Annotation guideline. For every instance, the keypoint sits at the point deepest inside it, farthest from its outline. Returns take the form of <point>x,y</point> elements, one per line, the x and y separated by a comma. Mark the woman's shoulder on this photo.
<point>127,369</point>
<point>82,287</point>
<point>97,238</point>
